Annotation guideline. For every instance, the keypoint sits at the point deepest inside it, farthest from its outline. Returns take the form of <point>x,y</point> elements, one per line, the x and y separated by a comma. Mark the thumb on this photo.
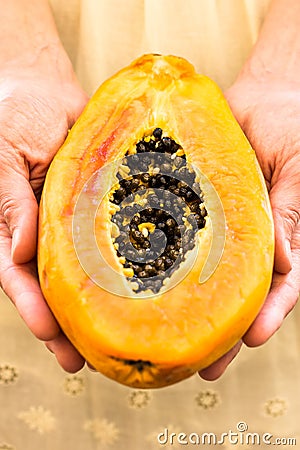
<point>76,101</point>
<point>285,202</point>
<point>19,208</point>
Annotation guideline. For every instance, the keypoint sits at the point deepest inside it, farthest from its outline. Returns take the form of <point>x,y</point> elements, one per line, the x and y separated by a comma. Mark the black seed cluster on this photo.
<point>174,209</point>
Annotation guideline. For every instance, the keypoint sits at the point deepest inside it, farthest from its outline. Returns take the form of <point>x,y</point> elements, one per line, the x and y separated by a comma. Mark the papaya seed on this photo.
<point>160,213</point>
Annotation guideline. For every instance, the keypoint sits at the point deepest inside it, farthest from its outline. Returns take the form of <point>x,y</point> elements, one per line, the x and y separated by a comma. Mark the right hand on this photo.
<point>38,105</point>
<point>268,112</point>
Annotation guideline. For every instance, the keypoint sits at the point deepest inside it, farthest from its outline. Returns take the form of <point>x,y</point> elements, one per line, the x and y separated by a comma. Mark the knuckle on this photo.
<point>289,214</point>
<point>293,216</point>
<point>9,211</point>
<point>8,207</point>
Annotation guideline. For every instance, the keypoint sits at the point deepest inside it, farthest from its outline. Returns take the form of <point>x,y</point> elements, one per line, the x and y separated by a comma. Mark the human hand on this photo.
<point>268,112</point>
<point>38,104</point>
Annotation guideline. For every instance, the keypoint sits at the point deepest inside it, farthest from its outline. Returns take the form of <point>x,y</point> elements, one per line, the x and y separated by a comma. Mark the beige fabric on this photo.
<point>103,36</point>
<point>44,408</point>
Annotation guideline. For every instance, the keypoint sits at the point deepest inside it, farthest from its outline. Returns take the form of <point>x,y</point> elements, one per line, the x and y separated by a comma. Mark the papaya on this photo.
<point>156,241</point>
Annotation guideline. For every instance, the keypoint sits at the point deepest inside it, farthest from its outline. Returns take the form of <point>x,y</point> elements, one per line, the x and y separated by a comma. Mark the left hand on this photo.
<point>36,111</point>
<point>268,112</point>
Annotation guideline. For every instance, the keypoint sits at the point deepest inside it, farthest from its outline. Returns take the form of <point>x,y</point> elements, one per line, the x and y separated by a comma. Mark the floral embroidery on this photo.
<point>139,399</point>
<point>6,447</point>
<point>207,399</point>
<point>164,437</point>
<point>104,431</point>
<point>38,419</point>
<point>74,385</point>
<point>8,374</point>
<point>275,407</point>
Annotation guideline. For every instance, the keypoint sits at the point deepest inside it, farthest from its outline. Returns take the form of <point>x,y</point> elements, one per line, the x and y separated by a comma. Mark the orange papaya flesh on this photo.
<point>159,328</point>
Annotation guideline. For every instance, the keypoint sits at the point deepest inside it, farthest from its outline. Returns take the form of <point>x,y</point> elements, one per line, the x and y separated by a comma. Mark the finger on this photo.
<point>20,283</point>
<point>285,202</point>
<point>19,207</point>
<point>66,354</point>
<point>283,231</point>
<point>216,369</point>
<point>282,298</point>
<point>279,303</point>
<point>90,367</point>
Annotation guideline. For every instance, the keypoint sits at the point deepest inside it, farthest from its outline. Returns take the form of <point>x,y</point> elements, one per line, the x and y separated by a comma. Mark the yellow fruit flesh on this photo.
<point>190,326</point>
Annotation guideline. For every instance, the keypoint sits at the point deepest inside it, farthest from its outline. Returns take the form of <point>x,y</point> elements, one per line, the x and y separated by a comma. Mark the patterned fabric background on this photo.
<point>42,407</point>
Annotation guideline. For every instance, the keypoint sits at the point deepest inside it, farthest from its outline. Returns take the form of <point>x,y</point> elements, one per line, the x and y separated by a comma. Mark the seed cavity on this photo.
<point>157,211</point>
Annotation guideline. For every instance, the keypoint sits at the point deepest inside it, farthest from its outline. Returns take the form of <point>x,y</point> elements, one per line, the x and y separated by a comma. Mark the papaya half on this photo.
<point>155,247</point>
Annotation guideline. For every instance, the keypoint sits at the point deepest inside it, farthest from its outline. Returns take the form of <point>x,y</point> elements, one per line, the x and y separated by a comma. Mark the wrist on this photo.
<point>265,68</point>
<point>47,61</point>
<point>29,42</point>
<point>275,57</point>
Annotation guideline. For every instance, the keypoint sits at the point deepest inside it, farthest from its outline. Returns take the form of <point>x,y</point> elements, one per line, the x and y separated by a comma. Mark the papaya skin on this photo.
<point>160,340</point>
